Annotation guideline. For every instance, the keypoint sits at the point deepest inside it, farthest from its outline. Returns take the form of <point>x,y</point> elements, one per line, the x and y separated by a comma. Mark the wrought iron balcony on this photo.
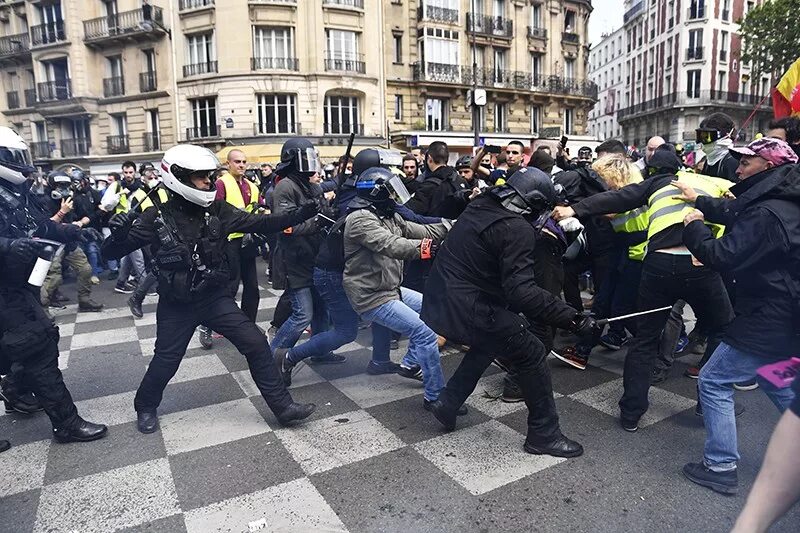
<point>634,11</point>
<point>437,72</point>
<point>276,128</point>
<point>199,68</point>
<point>703,98</point>
<point>151,141</point>
<point>15,45</point>
<point>437,14</point>
<point>537,33</point>
<point>343,129</point>
<point>49,33</point>
<point>184,5</point>
<point>51,91</point>
<point>12,99</point>
<point>118,144</point>
<point>352,63</point>
<point>40,150</point>
<point>490,26</point>
<point>75,147</point>
<point>113,86</point>
<point>148,82</point>
<point>694,54</point>
<point>696,12</point>
<point>203,132</point>
<point>274,63</point>
<point>134,24</point>
<point>358,4</point>
<point>569,37</point>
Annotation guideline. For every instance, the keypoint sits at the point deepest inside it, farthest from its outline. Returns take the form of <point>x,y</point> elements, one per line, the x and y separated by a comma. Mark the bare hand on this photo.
<point>475,192</point>
<point>330,195</point>
<point>687,193</point>
<point>728,195</point>
<point>66,205</point>
<point>696,214</point>
<point>562,212</point>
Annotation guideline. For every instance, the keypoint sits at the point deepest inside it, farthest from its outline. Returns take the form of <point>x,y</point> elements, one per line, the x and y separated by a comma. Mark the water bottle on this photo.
<point>42,266</point>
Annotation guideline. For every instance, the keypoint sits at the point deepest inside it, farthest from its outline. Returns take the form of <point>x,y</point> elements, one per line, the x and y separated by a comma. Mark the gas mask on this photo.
<point>61,193</point>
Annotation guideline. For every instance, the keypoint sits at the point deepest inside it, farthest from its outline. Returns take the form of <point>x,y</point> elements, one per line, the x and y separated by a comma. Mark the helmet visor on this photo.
<point>398,189</point>
<point>389,158</point>
<point>704,136</point>
<point>307,160</point>
<point>17,159</point>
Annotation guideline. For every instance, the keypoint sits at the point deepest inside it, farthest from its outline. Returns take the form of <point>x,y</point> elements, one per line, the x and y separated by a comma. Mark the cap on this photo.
<point>773,150</point>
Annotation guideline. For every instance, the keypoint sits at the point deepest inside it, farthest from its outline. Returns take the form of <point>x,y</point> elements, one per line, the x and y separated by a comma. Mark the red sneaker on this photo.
<point>570,356</point>
<point>692,372</point>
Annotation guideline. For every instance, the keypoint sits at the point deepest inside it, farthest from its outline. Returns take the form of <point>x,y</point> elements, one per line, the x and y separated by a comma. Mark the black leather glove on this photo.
<point>308,210</point>
<point>22,251</point>
<point>91,234</point>
<point>119,225</point>
<point>585,326</point>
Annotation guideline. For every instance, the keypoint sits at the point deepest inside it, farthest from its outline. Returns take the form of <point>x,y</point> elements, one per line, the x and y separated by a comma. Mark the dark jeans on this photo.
<point>283,310</point>
<point>345,320</point>
<point>548,272</point>
<point>176,324</point>
<point>243,269</point>
<point>598,265</point>
<point>667,278</point>
<point>670,337</point>
<point>626,292</point>
<point>528,356</point>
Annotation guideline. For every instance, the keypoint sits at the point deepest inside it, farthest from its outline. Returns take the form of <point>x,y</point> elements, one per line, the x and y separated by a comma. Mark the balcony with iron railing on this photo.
<point>437,14</point>
<point>151,141</point>
<point>118,144</point>
<point>209,131</point>
<point>186,5</point>
<point>694,54</point>
<point>343,129</point>
<point>48,33</point>
<point>634,11</point>
<point>352,4</point>
<point>351,63</point>
<point>113,86</point>
<point>276,128</point>
<point>696,12</point>
<point>703,98</point>
<point>12,100</point>
<point>569,37</point>
<point>52,91</point>
<point>12,46</point>
<point>537,33</point>
<point>490,26</point>
<point>75,147</point>
<point>148,82</point>
<point>274,63</point>
<point>40,150</point>
<point>128,25</point>
<point>196,69</point>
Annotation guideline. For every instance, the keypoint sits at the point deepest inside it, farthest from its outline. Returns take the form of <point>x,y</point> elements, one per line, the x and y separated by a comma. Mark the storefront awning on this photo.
<point>271,153</point>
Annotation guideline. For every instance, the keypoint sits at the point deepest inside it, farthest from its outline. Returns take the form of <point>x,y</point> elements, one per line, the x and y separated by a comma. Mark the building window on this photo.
<point>204,118</point>
<point>723,47</point>
<point>569,121</point>
<point>200,57</point>
<point>436,114</point>
<point>152,136</point>
<point>500,117</point>
<point>398,107</point>
<point>722,81</point>
<point>277,114</point>
<point>398,49</point>
<point>569,70</point>
<point>536,118</point>
<point>273,47</point>
<point>342,49</point>
<point>341,115</point>
<point>693,83</point>
<point>726,10</point>
<point>536,16</point>
<point>569,21</point>
<point>119,124</point>
<point>499,65</point>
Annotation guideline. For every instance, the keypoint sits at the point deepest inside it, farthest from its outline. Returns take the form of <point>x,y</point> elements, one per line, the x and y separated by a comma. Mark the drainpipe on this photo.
<point>176,118</point>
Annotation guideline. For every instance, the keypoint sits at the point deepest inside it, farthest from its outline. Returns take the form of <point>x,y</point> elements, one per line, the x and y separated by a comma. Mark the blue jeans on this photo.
<point>307,308</point>
<point>725,367</point>
<point>92,251</point>
<point>345,320</point>
<point>403,317</point>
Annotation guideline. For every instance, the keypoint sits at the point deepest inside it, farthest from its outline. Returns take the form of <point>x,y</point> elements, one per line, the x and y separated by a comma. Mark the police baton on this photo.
<point>604,321</point>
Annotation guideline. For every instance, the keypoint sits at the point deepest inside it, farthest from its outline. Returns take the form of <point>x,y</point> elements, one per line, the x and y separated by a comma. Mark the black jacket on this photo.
<point>483,278</point>
<point>440,194</point>
<point>578,185</point>
<point>761,246</point>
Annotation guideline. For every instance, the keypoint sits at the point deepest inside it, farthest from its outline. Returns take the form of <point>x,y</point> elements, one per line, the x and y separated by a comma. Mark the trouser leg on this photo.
<point>41,372</point>
<point>80,264</point>
<point>670,336</point>
<point>53,280</point>
<point>233,251</point>
<point>283,310</point>
<point>250,292</point>
<point>148,282</point>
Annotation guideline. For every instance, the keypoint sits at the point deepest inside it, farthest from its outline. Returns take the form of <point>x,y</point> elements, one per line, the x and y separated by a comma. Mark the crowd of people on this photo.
<point>494,254</point>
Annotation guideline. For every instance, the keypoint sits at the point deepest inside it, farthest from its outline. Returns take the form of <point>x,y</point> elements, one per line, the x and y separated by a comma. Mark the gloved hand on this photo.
<point>428,249</point>
<point>21,251</point>
<point>585,326</point>
<point>119,225</point>
<point>307,210</point>
<point>91,234</point>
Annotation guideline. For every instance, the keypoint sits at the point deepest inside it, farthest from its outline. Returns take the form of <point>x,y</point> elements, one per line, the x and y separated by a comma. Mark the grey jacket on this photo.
<point>297,246</point>
<point>374,251</point>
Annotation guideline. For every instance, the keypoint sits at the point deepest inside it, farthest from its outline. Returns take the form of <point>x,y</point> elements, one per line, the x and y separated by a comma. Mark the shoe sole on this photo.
<point>312,361</point>
<point>139,315</point>
<point>716,487</point>
<point>746,388</point>
<point>612,347</point>
<point>511,400</point>
<point>289,422</point>
<point>690,376</point>
<point>89,310</point>
<point>537,451</point>
<point>379,372</point>
<point>567,361</point>
<point>122,291</point>
<point>147,432</point>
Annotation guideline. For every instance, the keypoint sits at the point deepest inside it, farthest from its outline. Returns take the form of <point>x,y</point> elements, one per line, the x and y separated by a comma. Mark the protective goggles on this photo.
<point>306,160</point>
<point>703,136</point>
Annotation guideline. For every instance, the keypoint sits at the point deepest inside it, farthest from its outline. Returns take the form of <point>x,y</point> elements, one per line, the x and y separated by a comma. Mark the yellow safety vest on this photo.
<point>663,211</point>
<point>144,201</point>
<point>632,221</point>
<point>233,195</point>
<point>122,206</point>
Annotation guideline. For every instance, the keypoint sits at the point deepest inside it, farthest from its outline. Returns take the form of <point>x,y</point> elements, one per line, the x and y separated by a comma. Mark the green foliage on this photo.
<point>771,37</point>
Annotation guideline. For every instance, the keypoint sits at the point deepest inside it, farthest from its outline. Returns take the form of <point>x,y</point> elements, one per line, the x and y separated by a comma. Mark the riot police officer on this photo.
<point>28,335</point>
<point>188,235</point>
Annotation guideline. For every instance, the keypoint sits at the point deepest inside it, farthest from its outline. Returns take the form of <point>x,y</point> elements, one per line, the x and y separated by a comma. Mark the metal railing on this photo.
<point>202,132</point>
<point>632,12</point>
<point>359,4</point>
<point>11,45</point>
<point>148,82</point>
<point>276,128</point>
<point>75,147</point>
<point>194,4</point>
<point>722,98</point>
<point>40,149</point>
<point>538,33</point>
<point>127,22</point>
<point>151,141</point>
<point>354,63</point>
<point>695,53</point>
<point>492,26</point>
<point>274,63</point>
<point>199,68</point>
<point>49,33</point>
<point>696,12</point>
<point>113,86</point>
<point>12,99</point>
<point>49,91</point>
<point>118,144</point>
<point>569,37</point>
<point>343,129</point>
<point>438,14</point>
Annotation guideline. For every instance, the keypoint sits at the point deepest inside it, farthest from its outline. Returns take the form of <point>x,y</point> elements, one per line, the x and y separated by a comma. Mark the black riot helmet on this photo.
<point>376,157</point>
<point>298,155</point>
<point>79,179</point>
<point>465,161</point>
<point>534,195</point>
<point>378,185</point>
<point>59,183</point>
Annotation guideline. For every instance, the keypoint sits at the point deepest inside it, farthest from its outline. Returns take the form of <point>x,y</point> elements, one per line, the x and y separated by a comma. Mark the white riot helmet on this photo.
<point>184,161</point>
<point>15,159</point>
